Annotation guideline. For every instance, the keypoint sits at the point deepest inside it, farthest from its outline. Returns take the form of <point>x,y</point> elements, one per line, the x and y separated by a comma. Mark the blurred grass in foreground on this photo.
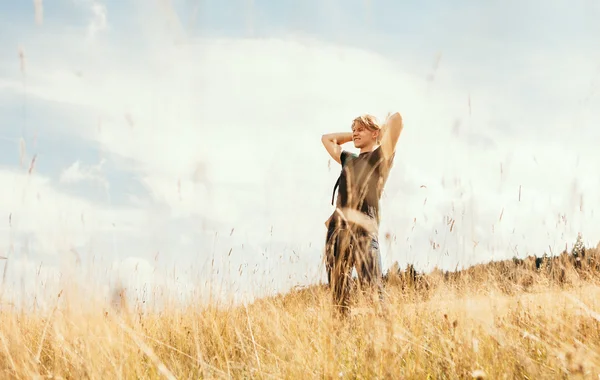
<point>527,318</point>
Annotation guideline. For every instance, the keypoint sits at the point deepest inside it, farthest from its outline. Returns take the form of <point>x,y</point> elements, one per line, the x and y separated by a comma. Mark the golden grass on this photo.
<point>451,329</point>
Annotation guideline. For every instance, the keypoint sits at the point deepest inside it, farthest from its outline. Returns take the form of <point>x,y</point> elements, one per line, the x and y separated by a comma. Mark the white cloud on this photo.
<point>98,23</point>
<point>76,173</point>
<point>33,207</point>
<point>228,130</point>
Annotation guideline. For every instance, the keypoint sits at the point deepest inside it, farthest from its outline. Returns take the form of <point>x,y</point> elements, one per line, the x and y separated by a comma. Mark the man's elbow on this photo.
<point>396,118</point>
<point>325,139</point>
<point>396,125</point>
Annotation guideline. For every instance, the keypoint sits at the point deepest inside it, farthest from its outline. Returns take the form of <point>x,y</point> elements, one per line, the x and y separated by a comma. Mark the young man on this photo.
<point>353,228</point>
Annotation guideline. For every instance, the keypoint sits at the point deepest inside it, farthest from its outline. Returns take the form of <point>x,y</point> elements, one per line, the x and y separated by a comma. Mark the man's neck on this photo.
<point>368,149</point>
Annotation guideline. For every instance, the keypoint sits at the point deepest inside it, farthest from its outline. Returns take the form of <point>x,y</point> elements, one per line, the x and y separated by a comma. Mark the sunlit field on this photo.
<point>165,189</point>
<point>515,319</point>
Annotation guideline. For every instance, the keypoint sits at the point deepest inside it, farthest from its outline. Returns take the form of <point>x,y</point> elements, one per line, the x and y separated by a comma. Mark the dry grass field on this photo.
<point>525,319</point>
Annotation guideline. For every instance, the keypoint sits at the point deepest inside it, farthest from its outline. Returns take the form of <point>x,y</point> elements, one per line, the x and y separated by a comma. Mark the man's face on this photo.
<point>363,137</point>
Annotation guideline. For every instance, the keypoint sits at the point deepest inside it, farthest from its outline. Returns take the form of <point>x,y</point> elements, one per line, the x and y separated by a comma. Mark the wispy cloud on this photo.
<point>76,173</point>
<point>98,22</point>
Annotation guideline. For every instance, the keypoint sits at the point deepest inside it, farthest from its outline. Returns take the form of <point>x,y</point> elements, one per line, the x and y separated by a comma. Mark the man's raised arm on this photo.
<point>333,141</point>
<point>391,133</point>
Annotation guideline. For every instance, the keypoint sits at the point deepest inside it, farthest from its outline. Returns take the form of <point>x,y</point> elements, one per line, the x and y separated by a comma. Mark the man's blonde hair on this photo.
<point>370,122</point>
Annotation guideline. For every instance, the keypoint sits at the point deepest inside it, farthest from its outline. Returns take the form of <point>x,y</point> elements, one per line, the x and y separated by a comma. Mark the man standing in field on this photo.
<point>353,228</point>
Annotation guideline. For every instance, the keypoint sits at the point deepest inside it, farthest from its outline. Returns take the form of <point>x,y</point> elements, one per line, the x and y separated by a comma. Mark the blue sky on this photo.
<point>162,129</point>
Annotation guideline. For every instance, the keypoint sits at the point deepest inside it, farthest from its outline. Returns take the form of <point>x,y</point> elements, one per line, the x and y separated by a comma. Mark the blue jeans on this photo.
<point>348,248</point>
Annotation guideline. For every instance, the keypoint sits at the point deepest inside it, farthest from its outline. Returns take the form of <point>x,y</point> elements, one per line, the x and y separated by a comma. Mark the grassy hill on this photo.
<point>533,318</point>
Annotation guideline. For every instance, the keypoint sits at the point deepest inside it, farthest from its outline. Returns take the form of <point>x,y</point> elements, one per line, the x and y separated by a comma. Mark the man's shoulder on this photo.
<point>346,156</point>
<point>378,158</point>
<point>347,153</point>
<point>377,154</point>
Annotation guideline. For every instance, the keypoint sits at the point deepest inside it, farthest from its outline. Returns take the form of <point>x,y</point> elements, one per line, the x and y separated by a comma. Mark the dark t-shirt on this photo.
<point>362,180</point>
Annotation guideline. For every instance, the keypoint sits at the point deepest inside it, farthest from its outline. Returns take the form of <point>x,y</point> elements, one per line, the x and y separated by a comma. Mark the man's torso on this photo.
<point>362,181</point>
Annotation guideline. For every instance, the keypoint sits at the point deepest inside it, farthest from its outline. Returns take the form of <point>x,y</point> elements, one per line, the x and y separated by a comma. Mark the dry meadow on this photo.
<point>520,319</point>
